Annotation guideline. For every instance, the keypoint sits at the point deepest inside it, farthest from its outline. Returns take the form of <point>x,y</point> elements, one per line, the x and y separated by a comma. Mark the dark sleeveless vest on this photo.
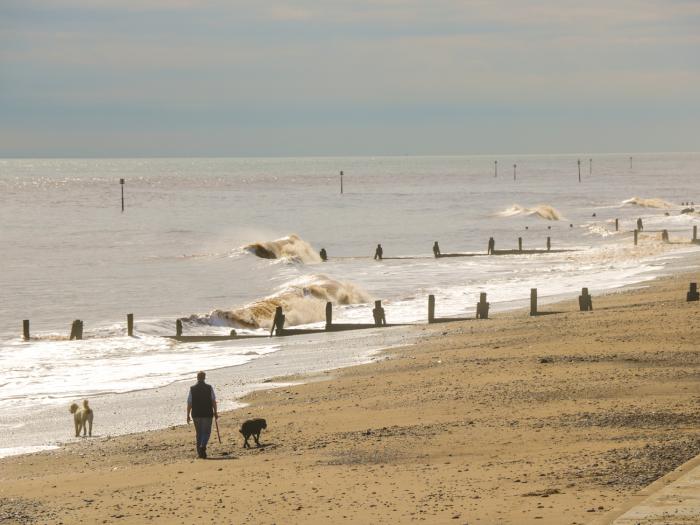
<point>201,400</point>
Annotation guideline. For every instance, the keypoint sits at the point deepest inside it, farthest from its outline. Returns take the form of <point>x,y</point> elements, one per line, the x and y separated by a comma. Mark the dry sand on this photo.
<point>551,419</point>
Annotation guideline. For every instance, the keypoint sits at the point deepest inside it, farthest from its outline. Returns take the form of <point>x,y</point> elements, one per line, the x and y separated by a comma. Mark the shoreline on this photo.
<point>48,421</point>
<point>233,391</point>
<point>557,415</point>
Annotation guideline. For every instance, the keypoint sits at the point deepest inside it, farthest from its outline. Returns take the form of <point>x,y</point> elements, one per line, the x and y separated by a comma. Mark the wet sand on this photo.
<point>552,419</point>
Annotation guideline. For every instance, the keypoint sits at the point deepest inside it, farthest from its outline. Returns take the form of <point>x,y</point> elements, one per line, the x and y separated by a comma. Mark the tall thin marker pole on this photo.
<point>590,166</point>
<point>341,182</point>
<point>630,162</point>
<point>514,166</point>
<point>495,168</point>
<point>579,170</point>
<point>121,182</point>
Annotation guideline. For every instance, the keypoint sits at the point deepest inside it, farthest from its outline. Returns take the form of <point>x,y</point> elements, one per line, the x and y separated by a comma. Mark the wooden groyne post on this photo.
<point>121,183</point>
<point>329,315</point>
<point>693,294</point>
<point>664,235</point>
<point>431,308</point>
<point>514,166</point>
<point>178,328</point>
<point>549,244</point>
<point>695,233</point>
<point>520,244</point>
<point>533,301</point>
<point>25,329</point>
<point>130,325</point>
<point>482,307</point>
<point>76,330</point>
<point>617,225</point>
<point>341,182</point>
<point>636,237</point>
<point>585,301</point>
<point>495,168</point>
<point>277,322</point>
<point>378,314</point>
<point>579,170</point>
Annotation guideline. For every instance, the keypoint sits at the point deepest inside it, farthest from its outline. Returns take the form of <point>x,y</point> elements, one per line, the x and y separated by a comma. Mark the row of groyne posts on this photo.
<point>585,302</point>
<point>664,233</point>
<point>491,249</point>
<point>482,307</point>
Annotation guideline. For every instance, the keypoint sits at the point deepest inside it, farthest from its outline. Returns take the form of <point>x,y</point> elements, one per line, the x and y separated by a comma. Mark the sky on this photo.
<point>122,78</point>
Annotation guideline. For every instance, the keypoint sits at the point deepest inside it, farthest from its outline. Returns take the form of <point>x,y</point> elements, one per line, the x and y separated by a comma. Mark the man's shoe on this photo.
<point>204,453</point>
<point>199,452</point>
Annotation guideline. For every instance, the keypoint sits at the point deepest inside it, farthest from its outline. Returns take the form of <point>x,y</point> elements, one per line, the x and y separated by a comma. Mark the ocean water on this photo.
<point>179,251</point>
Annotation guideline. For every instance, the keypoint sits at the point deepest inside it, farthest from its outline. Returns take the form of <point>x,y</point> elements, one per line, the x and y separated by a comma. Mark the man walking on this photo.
<point>201,404</point>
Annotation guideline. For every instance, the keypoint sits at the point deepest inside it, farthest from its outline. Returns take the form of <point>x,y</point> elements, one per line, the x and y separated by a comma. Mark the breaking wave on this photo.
<point>292,248</point>
<point>648,203</point>
<point>303,300</point>
<point>543,211</point>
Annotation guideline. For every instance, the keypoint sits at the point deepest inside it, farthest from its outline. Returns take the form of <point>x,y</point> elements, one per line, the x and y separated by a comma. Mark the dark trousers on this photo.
<point>202,427</point>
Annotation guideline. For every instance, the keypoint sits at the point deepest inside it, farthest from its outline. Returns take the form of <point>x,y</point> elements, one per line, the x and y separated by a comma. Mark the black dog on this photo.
<point>252,427</point>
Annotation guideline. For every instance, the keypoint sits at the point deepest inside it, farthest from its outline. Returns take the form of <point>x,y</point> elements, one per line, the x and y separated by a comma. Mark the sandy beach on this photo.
<point>516,419</point>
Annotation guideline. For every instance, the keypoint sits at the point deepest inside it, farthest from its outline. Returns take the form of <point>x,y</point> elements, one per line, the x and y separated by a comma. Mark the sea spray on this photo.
<point>543,211</point>
<point>292,248</point>
<point>303,300</point>
<point>648,203</point>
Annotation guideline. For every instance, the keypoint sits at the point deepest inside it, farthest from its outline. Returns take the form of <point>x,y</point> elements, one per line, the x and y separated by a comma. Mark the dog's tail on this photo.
<point>73,408</point>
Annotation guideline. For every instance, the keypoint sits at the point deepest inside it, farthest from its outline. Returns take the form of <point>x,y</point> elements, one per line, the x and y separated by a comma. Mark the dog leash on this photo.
<point>216,420</point>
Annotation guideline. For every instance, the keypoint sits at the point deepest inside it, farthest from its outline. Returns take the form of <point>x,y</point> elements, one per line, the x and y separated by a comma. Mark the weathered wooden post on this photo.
<point>520,244</point>
<point>579,170</point>
<point>329,315</point>
<point>514,166</point>
<point>636,237</point>
<point>590,166</point>
<point>25,329</point>
<point>695,233</point>
<point>495,168</point>
<point>664,235</point>
<point>341,182</point>
<point>693,294</point>
<point>130,325</point>
<point>378,314</point>
<point>482,307</point>
<point>178,328</point>
<point>549,244</point>
<point>278,322</point>
<point>585,301</point>
<point>431,308</point>
<point>533,301</point>
<point>76,330</point>
<point>121,182</point>
<point>630,162</point>
<point>617,225</point>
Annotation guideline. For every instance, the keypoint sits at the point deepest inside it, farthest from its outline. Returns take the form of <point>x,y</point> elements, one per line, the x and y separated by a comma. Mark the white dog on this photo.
<point>82,417</point>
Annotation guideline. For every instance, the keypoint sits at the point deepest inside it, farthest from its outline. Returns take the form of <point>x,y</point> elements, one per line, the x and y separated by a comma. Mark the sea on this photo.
<point>187,245</point>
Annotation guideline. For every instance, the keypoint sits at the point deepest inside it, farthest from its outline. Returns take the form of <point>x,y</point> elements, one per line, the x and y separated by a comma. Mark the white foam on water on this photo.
<point>648,203</point>
<point>50,372</point>
<point>543,211</point>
